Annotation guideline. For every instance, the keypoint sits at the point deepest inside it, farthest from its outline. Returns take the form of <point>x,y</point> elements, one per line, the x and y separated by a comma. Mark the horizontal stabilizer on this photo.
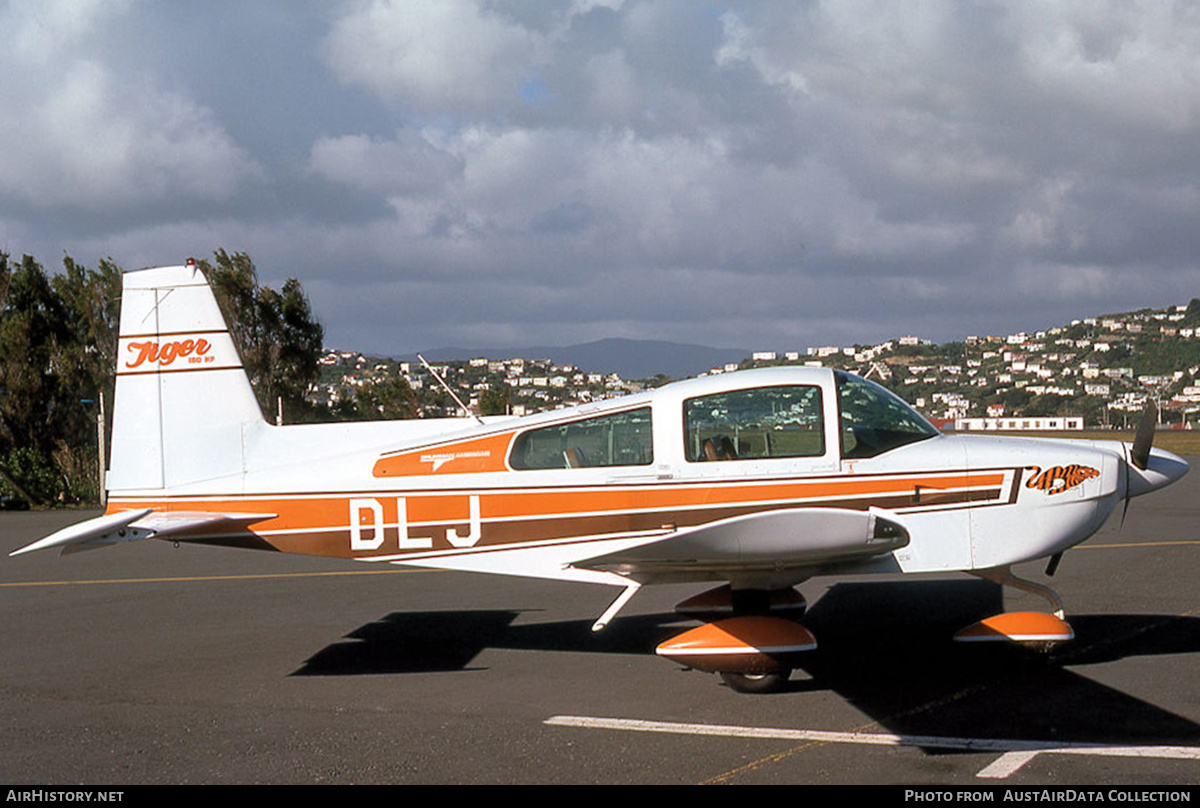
<point>184,525</point>
<point>108,529</point>
<point>114,528</point>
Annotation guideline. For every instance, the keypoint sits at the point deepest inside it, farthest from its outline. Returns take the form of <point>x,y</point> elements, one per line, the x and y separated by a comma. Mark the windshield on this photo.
<point>874,419</point>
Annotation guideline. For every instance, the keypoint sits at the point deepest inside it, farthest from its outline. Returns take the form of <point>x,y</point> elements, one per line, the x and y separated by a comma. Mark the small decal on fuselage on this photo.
<point>1057,479</point>
<point>438,459</point>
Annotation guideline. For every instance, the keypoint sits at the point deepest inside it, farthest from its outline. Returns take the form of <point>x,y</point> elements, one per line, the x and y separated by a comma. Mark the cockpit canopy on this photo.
<point>785,418</point>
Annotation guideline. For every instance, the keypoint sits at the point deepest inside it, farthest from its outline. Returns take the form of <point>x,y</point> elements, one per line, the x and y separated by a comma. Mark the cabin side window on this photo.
<point>620,439</point>
<point>762,422</point>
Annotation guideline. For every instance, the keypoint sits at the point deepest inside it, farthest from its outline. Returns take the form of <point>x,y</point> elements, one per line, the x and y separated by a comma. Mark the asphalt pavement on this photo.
<point>155,664</point>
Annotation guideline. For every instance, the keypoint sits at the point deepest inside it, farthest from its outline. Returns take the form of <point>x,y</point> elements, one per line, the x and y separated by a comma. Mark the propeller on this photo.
<point>1139,453</point>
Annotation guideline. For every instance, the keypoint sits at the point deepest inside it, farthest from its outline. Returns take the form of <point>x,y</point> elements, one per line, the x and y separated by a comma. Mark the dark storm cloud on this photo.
<point>754,174</point>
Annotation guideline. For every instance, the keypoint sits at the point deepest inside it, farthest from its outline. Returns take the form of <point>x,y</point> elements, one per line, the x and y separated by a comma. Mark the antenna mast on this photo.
<point>446,387</point>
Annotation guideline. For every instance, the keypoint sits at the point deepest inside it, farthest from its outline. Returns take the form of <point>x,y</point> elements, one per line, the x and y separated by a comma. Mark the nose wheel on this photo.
<point>1038,631</point>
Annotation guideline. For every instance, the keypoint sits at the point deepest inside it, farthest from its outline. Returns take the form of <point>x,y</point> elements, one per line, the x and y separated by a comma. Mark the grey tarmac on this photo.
<point>150,663</point>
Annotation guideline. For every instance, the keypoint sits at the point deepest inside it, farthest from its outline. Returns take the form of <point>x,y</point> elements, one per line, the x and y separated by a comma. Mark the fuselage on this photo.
<point>539,494</point>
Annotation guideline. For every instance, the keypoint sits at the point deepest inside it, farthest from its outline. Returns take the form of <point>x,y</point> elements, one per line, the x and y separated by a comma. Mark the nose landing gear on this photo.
<point>1035,630</point>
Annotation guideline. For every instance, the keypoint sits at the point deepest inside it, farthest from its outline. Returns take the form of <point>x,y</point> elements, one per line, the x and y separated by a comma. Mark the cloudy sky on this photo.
<point>743,174</point>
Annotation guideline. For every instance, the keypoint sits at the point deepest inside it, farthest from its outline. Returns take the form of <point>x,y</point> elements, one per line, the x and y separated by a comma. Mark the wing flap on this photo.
<point>795,537</point>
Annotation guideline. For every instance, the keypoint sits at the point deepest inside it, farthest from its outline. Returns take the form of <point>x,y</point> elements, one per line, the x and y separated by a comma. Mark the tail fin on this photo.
<point>183,405</point>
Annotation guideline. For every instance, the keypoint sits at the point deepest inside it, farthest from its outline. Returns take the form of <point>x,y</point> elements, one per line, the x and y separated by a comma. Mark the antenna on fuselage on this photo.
<point>446,387</point>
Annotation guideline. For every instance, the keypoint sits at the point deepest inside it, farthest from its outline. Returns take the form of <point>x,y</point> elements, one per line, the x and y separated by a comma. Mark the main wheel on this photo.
<point>756,682</point>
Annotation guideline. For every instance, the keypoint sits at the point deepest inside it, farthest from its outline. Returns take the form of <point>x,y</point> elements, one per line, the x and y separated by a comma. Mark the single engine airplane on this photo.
<point>755,480</point>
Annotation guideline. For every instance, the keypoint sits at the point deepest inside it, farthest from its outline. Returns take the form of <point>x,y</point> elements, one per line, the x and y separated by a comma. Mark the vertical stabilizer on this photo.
<point>183,404</point>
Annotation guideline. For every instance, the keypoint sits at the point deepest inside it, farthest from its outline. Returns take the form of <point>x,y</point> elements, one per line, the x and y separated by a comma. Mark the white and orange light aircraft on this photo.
<point>756,480</point>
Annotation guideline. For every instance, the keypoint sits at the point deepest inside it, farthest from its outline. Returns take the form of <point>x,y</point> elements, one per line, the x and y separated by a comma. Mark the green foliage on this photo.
<point>1191,316</point>
<point>494,402</point>
<point>57,348</point>
<point>386,400</point>
<point>31,475</point>
<point>1157,356</point>
<point>277,335</point>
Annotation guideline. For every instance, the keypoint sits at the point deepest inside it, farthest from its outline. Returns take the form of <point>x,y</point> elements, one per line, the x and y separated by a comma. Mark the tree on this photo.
<point>91,304</point>
<point>58,345</point>
<point>276,333</point>
<point>386,400</point>
<point>57,348</point>
<point>494,402</point>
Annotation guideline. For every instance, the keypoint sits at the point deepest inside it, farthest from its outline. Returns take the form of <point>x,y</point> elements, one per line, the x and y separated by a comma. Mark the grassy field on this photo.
<point>1179,441</point>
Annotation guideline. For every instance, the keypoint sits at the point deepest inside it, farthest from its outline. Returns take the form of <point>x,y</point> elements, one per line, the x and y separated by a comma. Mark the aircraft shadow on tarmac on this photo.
<point>885,648</point>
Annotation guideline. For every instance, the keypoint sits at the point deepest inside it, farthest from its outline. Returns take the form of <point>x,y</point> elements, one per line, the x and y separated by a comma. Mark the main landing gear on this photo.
<point>753,639</point>
<point>750,643</point>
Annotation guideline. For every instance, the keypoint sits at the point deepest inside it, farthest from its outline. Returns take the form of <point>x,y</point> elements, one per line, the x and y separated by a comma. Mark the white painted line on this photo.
<point>1005,765</point>
<point>1014,753</point>
<point>1010,762</point>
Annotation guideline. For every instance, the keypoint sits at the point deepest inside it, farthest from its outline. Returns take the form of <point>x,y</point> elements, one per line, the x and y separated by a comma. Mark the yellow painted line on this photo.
<point>1127,545</point>
<point>754,766</point>
<point>211,578</point>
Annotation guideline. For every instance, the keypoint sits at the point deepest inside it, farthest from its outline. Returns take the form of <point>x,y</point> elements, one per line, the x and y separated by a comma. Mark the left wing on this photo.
<point>771,540</point>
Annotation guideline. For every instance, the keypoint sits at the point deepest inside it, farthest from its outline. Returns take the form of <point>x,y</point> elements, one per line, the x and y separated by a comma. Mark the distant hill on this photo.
<point>629,358</point>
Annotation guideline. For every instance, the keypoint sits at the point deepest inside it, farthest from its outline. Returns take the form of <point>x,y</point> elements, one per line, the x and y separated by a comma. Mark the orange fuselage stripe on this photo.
<point>329,511</point>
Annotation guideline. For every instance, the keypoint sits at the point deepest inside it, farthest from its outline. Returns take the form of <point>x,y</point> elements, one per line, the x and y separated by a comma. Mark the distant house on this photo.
<point>1050,424</point>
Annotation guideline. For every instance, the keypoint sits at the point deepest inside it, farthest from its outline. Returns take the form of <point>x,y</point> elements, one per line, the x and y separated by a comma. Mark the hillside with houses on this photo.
<point>1095,372</point>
